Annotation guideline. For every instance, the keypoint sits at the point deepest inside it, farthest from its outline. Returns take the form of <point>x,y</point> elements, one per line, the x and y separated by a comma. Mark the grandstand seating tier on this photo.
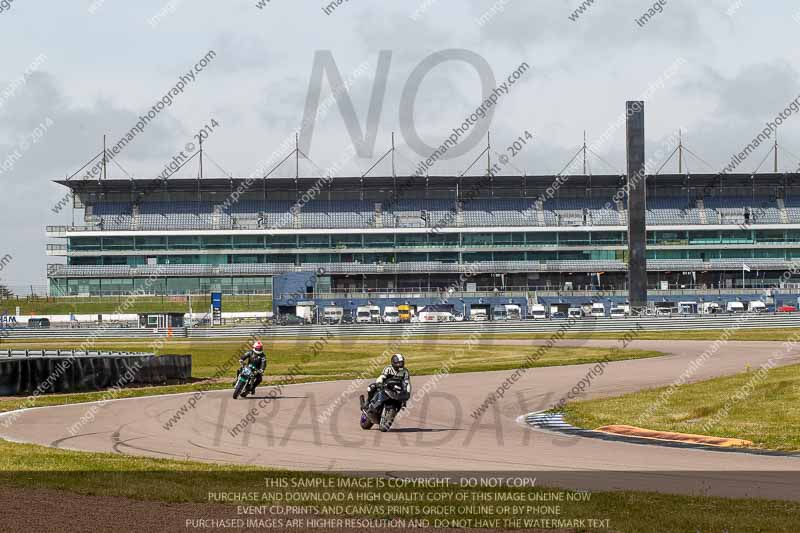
<point>481,212</point>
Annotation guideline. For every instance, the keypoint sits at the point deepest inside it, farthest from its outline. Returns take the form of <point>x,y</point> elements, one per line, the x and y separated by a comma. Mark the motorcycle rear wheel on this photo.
<point>365,422</point>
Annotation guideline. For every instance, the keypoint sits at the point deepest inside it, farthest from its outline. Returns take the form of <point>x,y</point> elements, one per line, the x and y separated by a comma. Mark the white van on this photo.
<point>598,310</point>
<point>332,315</point>
<point>617,312</point>
<point>435,313</point>
<point>499,312</point>
<point>363,314</point>
<point>575,312</point>
<point>306,312</point>
<point>375,314</point>
<point>391,315</point>
<point>710,308</point>
<point>538,312</point>
<point>514,312</point>
<point>734,307</point>
<point>757,306</point>
<point>478,314</point>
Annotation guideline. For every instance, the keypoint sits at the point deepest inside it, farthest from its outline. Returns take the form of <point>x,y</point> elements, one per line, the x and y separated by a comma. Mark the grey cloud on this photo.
<point>604,27</point>
<point>758,90</point>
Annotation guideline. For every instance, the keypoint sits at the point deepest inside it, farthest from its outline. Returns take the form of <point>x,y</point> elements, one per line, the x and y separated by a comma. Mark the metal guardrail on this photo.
<point>449,328</point>
<point>525,326</point>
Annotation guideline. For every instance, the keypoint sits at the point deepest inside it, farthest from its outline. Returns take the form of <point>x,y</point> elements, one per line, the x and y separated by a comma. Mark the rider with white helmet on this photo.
<point>397,369</point>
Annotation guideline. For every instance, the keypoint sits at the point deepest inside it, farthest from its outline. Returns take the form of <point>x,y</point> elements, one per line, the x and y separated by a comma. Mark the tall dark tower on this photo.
<point>637,236</point>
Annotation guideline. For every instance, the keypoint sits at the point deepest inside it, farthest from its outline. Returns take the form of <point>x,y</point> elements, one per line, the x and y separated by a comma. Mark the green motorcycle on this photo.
<point>245,381</point>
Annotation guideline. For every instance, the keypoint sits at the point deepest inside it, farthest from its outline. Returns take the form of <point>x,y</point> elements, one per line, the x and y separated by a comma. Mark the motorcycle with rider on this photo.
<point>251,370</point>
<point>386,396</point>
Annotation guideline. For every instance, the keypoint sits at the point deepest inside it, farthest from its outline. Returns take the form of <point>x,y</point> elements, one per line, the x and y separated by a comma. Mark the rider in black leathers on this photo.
<point>397,370</point>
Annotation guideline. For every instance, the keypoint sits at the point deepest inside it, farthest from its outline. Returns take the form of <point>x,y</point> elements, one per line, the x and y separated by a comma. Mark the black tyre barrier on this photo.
<point>87,373</point>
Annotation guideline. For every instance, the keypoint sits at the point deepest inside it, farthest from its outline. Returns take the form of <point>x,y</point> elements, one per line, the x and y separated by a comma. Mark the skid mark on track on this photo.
<point>215,450</point>
<point>57,443</point>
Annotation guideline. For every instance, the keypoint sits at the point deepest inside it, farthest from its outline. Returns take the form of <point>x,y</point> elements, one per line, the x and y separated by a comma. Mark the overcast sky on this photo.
<point>96,66</point>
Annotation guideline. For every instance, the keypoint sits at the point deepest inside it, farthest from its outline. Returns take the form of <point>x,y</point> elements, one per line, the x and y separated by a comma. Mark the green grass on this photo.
<point>338,359</point>
<point>143,478</point>
<point>110,304</point>
<point>767,416</point>
<point>161,480</point>
<point>343,358</point>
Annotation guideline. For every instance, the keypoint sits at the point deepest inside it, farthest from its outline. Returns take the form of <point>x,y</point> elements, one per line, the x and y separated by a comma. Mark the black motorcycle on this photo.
<point>386,402</point>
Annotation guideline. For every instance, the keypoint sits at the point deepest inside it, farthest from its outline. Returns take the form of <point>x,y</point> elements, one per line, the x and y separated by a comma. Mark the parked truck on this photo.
<point>538,312</point>
<point>391,314</point>
<point>620,311</point>
<point>559,310</point>
<point>499,312</point>
<point>514,312</point>
<point>436,313</point>
<point>363,314</point>
<point>478,314</point>
<point>375,314</point>
<point>506,312</point>
<point>575,312</point>
<point>332,315</point>
<point>306,312</point>
<point>404,312</point>
<point>734,307</point>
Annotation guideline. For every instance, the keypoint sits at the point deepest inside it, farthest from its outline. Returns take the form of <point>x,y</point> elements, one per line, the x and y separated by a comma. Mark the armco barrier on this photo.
<point>779,320</point>
<point>21,332</point>
<point>22,373</point>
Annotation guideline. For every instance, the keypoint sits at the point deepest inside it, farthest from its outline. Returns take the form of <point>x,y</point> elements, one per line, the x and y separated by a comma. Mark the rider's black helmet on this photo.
<point>398,361</point>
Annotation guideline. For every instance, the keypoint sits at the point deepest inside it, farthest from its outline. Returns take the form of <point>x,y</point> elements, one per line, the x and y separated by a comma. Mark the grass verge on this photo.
<point>138,304</point>
<point>337,359</point>
<point>345,359</point>
<point>143,478</point>
<point>161,480</point>
<point>759,406</point>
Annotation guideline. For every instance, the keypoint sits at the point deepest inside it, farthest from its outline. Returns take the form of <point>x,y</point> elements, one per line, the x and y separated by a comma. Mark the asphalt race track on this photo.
<point>438,433</point>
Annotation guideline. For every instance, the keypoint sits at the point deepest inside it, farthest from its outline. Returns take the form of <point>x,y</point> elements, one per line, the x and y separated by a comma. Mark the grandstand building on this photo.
<point>386,234</point>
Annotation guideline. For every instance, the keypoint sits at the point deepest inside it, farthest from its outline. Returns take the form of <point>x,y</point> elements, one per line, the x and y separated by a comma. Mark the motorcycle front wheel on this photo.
<point>238,390</point>
<point>387,418</point>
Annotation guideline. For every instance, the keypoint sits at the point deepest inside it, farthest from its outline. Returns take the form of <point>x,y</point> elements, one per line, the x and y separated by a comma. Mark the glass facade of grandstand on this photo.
<point>384,233</point>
